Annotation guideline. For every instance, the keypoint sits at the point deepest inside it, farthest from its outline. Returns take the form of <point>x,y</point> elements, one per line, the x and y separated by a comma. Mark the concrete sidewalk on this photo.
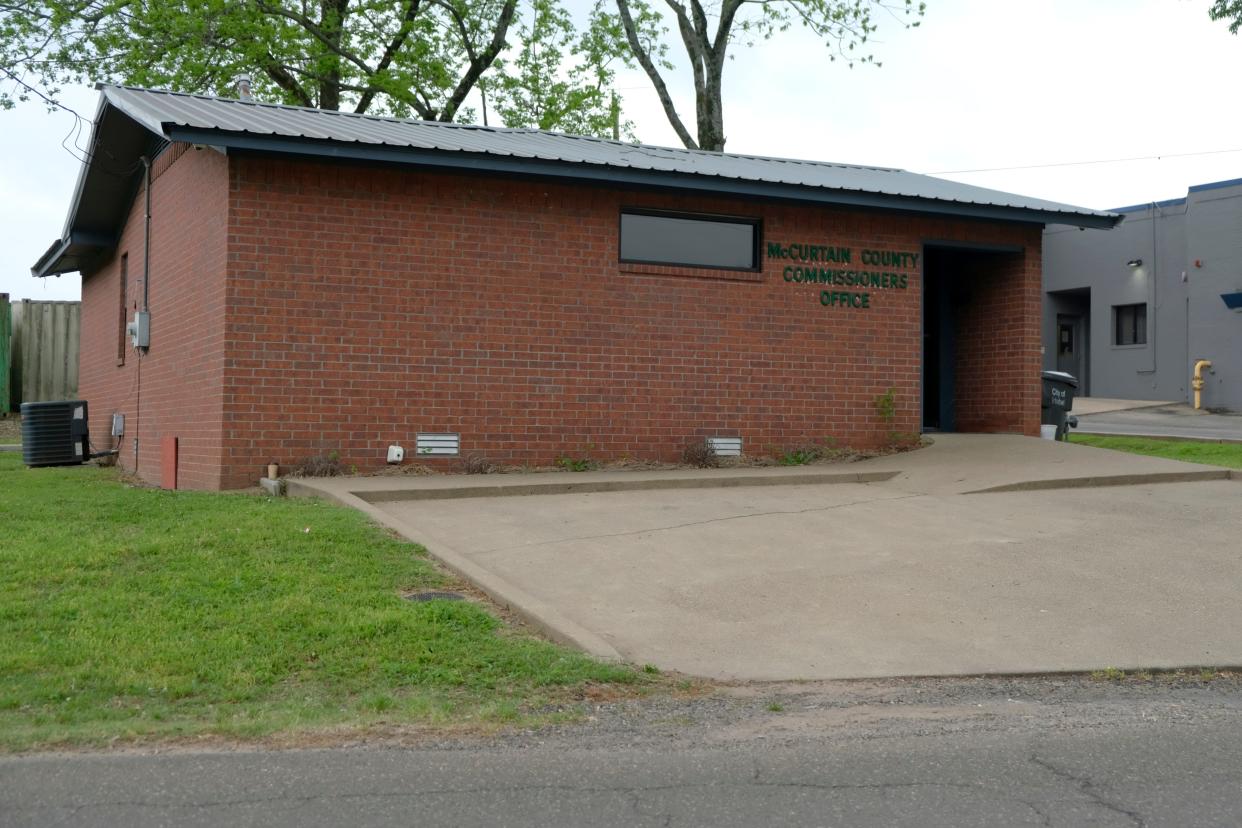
<point>952,464</point>
<point>907,574</point>
<point>974,463</point>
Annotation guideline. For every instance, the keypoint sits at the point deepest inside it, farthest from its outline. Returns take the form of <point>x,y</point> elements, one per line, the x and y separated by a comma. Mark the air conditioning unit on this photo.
<point>55,433</point>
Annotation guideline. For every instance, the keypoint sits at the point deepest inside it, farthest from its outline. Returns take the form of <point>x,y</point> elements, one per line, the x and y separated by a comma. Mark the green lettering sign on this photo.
<point>865,279</point>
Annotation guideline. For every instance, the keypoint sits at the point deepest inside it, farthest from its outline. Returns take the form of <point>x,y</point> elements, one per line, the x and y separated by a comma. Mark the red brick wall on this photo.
<point>183,373</point>
<point>998,341</point>
<point>365,305</point>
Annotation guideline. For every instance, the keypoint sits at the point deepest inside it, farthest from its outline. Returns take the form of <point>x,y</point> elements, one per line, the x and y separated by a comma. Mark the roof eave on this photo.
<point>67,255</point>
<point>84,238</point>
<point>577,171</point>
<point>46,266</point>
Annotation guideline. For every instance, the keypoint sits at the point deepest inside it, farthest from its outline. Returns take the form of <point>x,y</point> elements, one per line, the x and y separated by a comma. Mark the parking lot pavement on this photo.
<point>1180,421</point>
<point>1100,405</point>
<point>868,580</point>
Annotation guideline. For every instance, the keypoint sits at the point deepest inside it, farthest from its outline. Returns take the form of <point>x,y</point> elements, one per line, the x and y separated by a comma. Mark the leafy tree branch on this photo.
<point>1230,10</point>
<point>707,31</point>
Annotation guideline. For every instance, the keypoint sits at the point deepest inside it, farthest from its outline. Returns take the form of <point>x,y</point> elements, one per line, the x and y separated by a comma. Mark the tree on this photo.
<point>707,32</point>
<point>1228,10</point>
<point>399,57</point>
<point>539,88</point>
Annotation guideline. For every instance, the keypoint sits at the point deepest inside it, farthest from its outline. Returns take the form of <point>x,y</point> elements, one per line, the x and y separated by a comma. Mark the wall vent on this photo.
<point>726,446</point>
<point>437,445</point>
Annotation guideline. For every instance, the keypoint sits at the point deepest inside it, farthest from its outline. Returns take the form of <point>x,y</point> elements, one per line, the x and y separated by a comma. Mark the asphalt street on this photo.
<point>987,752</point>
<point>1169,421</point>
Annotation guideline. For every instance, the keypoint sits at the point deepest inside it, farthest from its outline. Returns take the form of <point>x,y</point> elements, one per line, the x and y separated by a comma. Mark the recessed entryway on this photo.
<point>971,300</point>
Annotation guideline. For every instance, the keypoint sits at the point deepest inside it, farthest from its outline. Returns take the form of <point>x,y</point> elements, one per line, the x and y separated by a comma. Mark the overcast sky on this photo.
<point>980,85</point>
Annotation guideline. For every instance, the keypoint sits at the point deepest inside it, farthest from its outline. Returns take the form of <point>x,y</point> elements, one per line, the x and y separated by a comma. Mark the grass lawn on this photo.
<point>135,614</point>
<point>1214,454</point>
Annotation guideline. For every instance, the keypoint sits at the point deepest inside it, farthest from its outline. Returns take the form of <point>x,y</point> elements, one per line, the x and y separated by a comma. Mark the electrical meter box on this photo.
<point>140,329</point>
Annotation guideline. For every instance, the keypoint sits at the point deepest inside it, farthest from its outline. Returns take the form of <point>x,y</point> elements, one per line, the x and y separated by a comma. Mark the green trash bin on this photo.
<point>1056,401</point>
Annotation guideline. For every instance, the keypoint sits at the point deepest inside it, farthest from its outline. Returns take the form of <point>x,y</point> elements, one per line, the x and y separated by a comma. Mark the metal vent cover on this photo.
<point>726,446</point>
<point>437,445</point>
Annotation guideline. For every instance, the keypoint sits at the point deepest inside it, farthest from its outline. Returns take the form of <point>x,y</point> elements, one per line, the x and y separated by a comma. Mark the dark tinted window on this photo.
<point>697,241</point>
<point>1130,324</point>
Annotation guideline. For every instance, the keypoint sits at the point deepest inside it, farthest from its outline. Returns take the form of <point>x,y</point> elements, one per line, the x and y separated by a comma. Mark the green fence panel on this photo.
<point>6,334</point>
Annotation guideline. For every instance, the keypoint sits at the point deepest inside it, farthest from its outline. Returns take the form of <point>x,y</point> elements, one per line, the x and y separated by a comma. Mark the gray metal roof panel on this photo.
<point>159,110</point>
<point>132,123</point>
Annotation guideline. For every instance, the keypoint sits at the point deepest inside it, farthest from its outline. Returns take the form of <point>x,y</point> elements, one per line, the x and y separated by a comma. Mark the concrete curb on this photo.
<point>1112,480</point>
<point>558,487</point>
<point>10,447</point>
<point>539,614</point>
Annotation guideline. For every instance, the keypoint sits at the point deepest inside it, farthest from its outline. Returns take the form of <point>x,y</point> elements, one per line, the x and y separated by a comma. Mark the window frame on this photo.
<point>1130,309</point>
<point>755,223</point>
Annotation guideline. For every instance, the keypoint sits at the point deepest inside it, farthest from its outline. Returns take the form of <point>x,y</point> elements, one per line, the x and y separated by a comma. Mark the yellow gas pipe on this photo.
<point>1197,382</point>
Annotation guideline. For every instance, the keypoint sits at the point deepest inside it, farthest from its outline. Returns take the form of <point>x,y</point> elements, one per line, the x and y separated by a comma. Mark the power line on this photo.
<point>1086,163</point>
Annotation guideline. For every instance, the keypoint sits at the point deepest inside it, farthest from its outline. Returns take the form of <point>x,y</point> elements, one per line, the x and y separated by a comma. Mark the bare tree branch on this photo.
<point>480,62</point>
<point>644,60</point>
<point>407,23</point>
<point>281,77</point>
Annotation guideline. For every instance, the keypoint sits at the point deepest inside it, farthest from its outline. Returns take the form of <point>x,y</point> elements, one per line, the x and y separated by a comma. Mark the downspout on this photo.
<point>1154,274</point>
<point>146,293</point>
<point>146,234</point>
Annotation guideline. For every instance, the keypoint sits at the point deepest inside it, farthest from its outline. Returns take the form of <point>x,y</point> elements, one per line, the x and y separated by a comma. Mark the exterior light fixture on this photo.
<point>1134,263</point>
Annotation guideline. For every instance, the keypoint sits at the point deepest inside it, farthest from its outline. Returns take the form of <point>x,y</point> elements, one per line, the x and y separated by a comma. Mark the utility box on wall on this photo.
<point>140,329</point>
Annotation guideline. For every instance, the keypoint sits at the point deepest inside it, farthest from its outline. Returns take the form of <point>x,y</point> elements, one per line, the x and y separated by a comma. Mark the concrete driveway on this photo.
<point>1053,569</point>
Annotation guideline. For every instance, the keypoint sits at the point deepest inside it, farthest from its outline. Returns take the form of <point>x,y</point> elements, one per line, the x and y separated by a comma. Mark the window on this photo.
<point>1130,324</point>
<point>124,311</point>
<point>689,240</point>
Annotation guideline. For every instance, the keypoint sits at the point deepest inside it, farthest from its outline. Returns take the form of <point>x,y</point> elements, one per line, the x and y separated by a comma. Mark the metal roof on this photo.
<point>265,127</point>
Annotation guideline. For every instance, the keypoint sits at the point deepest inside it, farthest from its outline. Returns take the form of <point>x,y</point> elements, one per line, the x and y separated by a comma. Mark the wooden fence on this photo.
<point>44,356</point>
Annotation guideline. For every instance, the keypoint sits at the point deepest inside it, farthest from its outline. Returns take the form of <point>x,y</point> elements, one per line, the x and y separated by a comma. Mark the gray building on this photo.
<point>1130,310</point>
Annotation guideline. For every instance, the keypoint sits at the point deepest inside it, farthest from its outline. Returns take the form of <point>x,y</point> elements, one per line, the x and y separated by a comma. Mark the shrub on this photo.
<point>580,463</point>
<point>320,465</point>
<point>575,464</point>
<point>886,405</point>
<point>701,455</point>
<point>477,464</point>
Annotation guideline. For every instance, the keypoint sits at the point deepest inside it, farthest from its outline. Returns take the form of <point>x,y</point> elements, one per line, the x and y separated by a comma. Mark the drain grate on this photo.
<point>435,596</point>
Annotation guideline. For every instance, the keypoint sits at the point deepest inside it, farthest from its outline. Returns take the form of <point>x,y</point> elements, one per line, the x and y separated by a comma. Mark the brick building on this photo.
<point>321,282</point>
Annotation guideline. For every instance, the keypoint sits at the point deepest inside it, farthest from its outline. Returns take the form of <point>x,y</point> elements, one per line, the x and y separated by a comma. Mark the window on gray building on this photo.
<point>689,240</point>
<point>1130,324</point>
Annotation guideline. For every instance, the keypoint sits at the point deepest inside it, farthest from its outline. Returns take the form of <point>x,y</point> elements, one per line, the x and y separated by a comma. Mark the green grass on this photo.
<point>133,614</point>
<point>1213,454</point>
